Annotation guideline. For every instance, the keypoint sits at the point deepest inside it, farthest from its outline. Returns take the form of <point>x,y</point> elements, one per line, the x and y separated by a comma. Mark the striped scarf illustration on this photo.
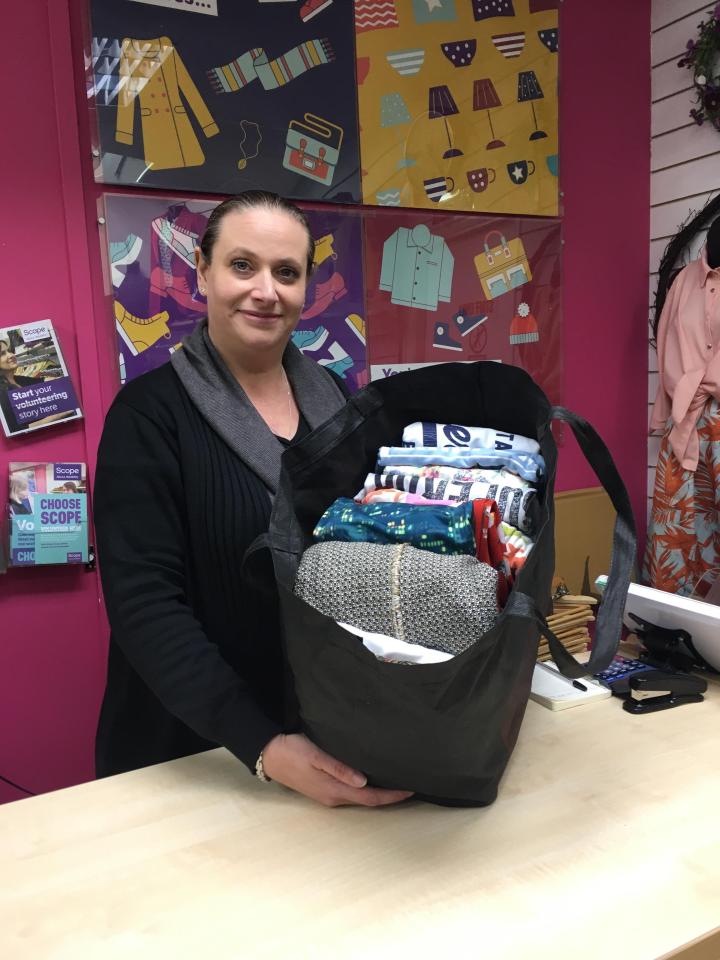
<point>255,65</point>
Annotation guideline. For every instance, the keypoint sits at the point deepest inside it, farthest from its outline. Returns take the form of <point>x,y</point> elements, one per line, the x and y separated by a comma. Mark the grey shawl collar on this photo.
<point>225,405</point>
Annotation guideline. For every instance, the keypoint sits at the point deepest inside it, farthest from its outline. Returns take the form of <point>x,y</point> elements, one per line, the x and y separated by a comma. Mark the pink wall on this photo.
<point>51,644</point>
<point>605,176</point>
<point>53,638</point>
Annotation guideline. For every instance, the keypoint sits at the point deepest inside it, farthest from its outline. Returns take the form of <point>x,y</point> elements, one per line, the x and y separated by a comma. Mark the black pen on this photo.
<point>580,686</point>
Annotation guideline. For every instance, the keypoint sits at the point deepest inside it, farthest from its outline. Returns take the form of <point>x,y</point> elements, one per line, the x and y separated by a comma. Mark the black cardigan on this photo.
<point>195,660</point>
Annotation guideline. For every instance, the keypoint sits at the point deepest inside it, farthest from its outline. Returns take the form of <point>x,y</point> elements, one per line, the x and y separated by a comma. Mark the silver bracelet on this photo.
<point>260,770</point>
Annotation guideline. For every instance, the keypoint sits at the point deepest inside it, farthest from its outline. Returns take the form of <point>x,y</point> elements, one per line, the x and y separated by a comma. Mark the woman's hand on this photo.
<point>294,761</point>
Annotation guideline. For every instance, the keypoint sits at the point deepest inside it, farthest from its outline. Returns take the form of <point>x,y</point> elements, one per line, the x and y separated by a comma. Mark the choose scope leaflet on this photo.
<point>35,388</point>
<point>48,513</point>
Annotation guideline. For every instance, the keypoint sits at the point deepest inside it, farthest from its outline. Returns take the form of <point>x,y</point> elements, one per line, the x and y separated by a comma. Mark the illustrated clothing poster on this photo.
<point>463,288</point>
<point>458,104</point>
<point>223,97</point>
<point>332,325</point>
<point>150,261</point>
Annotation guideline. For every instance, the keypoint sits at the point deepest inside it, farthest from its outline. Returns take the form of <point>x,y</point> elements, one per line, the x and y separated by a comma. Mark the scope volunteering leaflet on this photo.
<point>48,513</point>
<point>35,387</point>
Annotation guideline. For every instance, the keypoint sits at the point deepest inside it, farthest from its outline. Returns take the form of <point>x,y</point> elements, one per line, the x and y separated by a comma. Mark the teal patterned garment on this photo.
<point>436,528</point>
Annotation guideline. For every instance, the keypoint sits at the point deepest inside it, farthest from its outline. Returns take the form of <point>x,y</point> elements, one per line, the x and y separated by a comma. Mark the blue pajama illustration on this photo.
<point>417,268</point>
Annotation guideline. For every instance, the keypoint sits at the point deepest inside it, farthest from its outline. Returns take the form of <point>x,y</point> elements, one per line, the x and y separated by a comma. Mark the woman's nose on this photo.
<point>265,285</point>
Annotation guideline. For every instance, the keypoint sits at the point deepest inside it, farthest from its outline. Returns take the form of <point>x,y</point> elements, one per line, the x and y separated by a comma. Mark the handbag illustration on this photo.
<point>443,730</point>
<point>312,148</point>
<point>503,266</point>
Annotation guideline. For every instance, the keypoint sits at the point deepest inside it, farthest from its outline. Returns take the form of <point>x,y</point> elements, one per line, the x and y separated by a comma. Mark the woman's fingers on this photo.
<point>296,762</point>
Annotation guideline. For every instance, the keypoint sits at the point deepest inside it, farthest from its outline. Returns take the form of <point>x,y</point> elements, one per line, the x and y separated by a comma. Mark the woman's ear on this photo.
<point>201,267</point>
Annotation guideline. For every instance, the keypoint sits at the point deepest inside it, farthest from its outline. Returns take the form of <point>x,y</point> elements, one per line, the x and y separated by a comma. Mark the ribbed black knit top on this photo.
<point>175,510</point>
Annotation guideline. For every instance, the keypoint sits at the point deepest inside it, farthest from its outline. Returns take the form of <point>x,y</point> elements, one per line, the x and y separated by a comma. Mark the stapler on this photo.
<point>654,690</point>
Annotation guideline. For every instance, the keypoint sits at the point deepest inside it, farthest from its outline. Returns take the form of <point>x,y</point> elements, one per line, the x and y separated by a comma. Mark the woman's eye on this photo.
<point>241,265</point>
<point>288,273</point>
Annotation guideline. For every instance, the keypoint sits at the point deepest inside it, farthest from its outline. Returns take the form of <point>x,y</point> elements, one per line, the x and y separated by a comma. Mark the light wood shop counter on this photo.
<point>604,843</point>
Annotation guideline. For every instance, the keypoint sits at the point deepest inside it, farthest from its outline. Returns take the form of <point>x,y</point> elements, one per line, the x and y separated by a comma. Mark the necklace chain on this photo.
<point>289,395</point>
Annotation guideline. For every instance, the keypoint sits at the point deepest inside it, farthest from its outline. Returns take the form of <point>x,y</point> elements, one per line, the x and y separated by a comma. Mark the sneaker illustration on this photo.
<point>309,339</point>
<point>182,242</point>
<point>443,339</point>
<point>122,253</point>
<point>139,333</point>
<point>357,325</point>
<point>466,324</point>
<point>311,9</point>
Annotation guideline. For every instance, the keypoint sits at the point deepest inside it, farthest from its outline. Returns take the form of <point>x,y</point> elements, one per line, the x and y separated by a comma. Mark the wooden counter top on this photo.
<point>604,843</point>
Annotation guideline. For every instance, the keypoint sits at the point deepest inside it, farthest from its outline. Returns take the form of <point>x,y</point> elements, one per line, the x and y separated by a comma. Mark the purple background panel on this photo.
<point>335,294</point>
<point>156,301</point>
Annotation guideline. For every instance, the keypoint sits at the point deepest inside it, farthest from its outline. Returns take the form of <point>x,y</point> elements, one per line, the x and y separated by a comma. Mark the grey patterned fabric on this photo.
<point>440,601</point>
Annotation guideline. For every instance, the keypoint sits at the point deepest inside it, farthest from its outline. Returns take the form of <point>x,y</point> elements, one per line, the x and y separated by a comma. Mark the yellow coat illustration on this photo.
<point>152,72</point>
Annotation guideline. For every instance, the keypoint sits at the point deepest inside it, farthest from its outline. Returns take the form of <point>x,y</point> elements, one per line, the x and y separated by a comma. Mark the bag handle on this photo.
<point>490,257</point>
<point>609,620</point>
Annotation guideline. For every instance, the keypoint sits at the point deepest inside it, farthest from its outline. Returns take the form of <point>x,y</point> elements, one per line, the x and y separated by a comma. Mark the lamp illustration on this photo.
<point>485,97</point>
<point>529,89</point>
<point>441,104</point>
<point>394,113</point>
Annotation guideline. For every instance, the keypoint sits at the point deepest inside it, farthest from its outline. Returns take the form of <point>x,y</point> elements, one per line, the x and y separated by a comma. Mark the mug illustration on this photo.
<point>552,163</point>
<point>480,178</point>
<point>520,170</point>
<point>437,187</point>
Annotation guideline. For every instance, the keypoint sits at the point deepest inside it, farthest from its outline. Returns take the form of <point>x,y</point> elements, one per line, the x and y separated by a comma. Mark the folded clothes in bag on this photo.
<point>502,475</point>
<point>440,529</point>
<point>399,496</point>
<point>529,466</point>
<point>425,434</point>
<point>517,506</point>
<point>440,601</point>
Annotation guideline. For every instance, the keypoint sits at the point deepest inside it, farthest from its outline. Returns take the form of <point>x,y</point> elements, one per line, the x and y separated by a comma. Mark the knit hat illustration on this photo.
<point>524,328</point>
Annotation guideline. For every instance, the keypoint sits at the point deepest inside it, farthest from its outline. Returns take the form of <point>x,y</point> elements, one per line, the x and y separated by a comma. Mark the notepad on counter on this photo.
<point>553,690</point>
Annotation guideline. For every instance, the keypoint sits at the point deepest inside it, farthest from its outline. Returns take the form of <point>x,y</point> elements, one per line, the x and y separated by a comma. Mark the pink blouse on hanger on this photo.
<point>688,356</point>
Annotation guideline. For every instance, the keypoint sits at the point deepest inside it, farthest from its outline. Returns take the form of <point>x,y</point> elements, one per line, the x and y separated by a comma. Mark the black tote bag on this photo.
<point>444,730</point>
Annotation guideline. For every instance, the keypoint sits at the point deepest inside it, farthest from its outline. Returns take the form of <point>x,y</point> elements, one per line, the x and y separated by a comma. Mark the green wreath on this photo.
<point>701,58</point>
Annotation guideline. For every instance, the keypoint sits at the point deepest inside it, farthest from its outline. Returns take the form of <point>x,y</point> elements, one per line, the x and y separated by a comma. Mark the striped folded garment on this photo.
<point>518,506</point>
<point>503,476</point>
<point>529,466</point>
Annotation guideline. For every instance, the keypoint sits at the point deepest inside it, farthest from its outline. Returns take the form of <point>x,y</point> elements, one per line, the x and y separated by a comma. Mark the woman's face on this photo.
<point>8,363</point>
<point>256,280</point>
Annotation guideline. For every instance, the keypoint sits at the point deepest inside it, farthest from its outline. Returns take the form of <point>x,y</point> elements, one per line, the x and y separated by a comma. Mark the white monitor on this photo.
<point>700,619</point>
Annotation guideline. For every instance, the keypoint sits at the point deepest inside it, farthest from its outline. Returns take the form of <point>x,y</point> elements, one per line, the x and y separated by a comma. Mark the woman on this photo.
<point>21,498</point>
<point>187,466</point>
<point>9,378</point>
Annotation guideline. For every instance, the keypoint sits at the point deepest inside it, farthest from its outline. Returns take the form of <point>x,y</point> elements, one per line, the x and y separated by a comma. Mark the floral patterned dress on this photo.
<point>684,532</point>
